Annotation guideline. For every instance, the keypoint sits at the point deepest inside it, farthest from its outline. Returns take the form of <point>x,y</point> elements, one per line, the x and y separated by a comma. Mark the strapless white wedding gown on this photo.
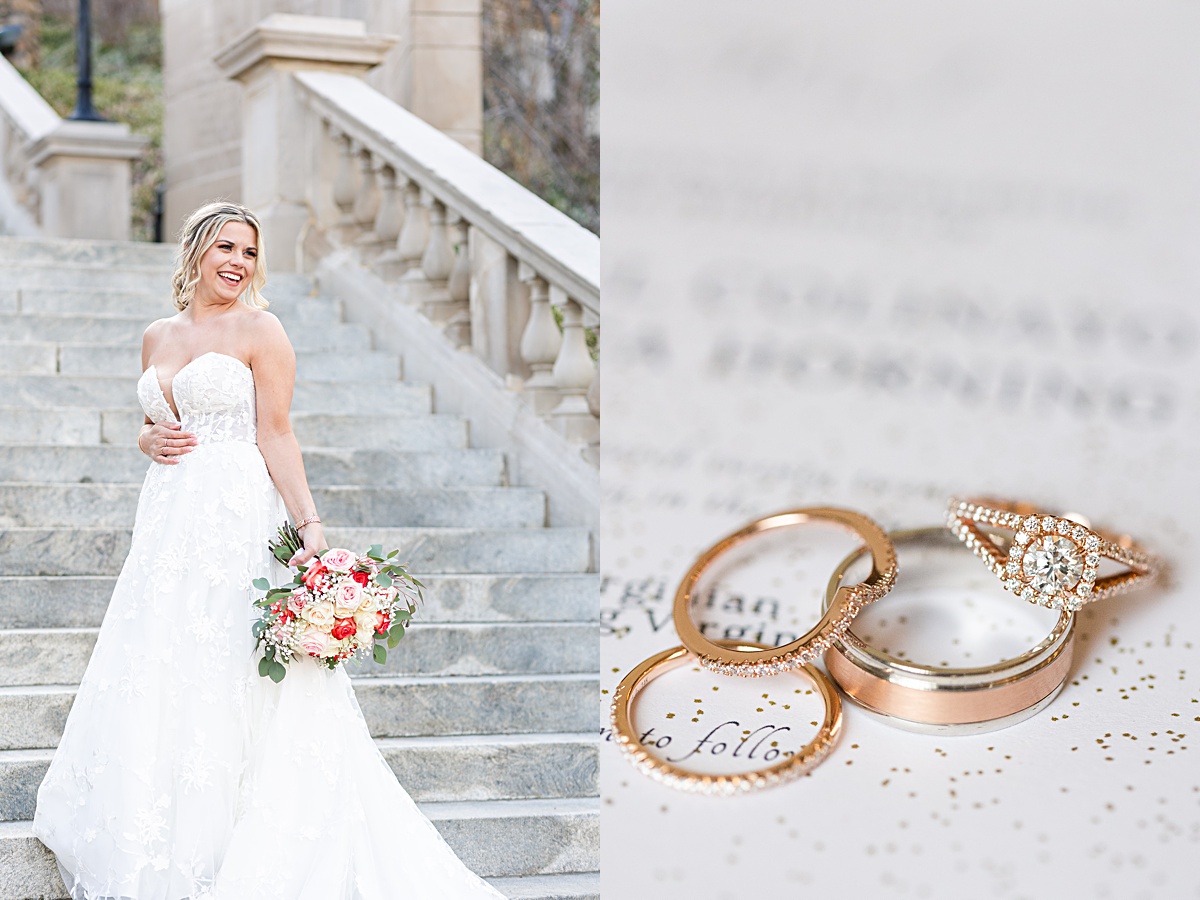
<point>181,773</point>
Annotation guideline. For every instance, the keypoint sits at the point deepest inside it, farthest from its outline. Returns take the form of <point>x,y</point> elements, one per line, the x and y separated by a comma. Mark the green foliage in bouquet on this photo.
<point>374,568</point>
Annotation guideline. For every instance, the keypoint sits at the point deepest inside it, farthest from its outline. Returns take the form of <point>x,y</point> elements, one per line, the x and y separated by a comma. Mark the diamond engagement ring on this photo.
<point>1052,561</point>
<point>850,599</point>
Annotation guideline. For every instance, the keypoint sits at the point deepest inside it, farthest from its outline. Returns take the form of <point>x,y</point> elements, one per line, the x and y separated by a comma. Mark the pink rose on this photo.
<point>338,560</point>
<point>346,596</point>
<point>315,642</point>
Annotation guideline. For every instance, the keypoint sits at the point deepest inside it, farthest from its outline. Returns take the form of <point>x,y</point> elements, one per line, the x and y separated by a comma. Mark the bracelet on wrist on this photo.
<point>311,520</point>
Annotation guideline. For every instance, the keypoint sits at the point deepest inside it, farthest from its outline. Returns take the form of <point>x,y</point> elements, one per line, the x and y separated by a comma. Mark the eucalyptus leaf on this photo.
<point>270,651</point>
<point>379,654</point>
<point>277,672</point>
<point>403,615</point>
<point>384,579</point>
<point>261,583</point>
<point>264,666</point>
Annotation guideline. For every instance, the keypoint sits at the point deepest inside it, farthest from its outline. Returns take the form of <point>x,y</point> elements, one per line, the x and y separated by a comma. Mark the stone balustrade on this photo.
<point>440,225</point>
<point>61,178</point>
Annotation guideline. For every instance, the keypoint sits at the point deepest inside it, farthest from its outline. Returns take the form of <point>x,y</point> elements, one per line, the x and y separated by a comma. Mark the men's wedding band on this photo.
<point>737,659</point>
<point>794,766</point>
<point>942,699</point>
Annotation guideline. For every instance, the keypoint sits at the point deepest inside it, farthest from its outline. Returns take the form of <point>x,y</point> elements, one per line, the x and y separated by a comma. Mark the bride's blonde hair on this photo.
<point>199,233</point>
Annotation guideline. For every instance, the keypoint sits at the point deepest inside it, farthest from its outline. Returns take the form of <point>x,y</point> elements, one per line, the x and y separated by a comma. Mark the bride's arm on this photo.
<point>273,363</point>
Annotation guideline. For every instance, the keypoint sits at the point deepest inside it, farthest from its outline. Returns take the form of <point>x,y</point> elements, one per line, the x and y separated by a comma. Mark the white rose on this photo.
<point>319,614</point>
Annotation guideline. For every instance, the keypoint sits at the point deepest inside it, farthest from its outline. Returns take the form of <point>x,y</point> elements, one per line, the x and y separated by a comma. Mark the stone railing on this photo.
<point>491,295</point>
<point>61,178</point>
<point>476,252</point>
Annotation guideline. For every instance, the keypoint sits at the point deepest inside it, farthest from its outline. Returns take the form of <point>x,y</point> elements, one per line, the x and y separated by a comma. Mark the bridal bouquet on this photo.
<point>339,606</point>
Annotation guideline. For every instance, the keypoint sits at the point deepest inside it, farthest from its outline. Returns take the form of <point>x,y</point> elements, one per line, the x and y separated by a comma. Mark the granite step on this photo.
<point>79,425</point>
<point>25,251</point>
<point>100,551</point>
<point>314,429</point>
<point>499,838</point>
<point>79,601</point>
<point>96,329</point>
<point>115,506</point>
<point>88,463</point>
<point>571,886</point>
<point>30,656</point>
<point>126,360</point>
<point>470,767</point>
<point>32,716</point>
<point>363,398</point>
<point>293,309</point>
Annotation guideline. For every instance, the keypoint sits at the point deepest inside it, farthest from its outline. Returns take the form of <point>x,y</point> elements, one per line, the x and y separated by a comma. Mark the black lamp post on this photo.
<point>84,111</point>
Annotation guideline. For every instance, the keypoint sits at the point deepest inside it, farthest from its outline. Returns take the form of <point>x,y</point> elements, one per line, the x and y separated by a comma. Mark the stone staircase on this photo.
<point>486,712</point>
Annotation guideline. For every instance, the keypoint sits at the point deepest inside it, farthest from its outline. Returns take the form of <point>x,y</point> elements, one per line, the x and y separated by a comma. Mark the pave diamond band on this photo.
<point>718,656</point>
<point>797,764</point>
<point>1052,561</point>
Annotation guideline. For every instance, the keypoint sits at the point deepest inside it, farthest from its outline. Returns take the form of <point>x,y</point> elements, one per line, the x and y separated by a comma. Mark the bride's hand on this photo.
<point>314,543</point>
<point>165,442</point>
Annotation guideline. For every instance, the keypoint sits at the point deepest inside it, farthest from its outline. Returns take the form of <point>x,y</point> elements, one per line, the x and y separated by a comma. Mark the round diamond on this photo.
<point>1052,565</point>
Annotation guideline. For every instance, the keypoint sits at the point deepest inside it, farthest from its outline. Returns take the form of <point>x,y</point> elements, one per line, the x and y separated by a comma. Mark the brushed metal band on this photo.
<point>941,699</point>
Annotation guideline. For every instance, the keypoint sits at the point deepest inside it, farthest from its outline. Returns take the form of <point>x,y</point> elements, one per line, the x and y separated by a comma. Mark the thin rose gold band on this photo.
<point>799,763</point>
<point>999,694</point>
<point>847,602</point>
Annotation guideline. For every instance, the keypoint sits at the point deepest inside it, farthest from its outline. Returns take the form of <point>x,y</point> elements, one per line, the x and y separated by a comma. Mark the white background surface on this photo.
<point>871,255</point>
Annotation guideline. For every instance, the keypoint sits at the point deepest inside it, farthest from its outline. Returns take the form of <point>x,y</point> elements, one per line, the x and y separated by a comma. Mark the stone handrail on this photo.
<point>25,118</point>
<point>462,242</point>
<point>61,178</point>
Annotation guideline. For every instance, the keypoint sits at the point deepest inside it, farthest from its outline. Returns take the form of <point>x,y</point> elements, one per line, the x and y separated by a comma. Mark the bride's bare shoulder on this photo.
<point>267,334</point>
<point>156,333</point>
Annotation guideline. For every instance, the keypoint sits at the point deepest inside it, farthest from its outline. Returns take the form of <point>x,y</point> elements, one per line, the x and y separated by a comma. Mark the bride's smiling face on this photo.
<point>227,267</point>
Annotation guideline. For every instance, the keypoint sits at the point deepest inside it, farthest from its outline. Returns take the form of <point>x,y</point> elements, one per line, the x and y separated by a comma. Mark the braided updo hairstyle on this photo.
<point>199,233</point>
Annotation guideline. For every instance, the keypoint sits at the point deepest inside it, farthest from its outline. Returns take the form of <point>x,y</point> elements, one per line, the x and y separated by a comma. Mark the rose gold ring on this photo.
<point>942,699</point>
<point>1051,560</point>
<point>849,600</point>
<point>798,763</point>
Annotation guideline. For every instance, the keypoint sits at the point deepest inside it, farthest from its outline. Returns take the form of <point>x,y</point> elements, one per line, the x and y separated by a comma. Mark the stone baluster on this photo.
<point>573,374</point>
<point>458,286</point>
<point>390,264</point>
<point>415,232</point>
<point>366,201</point>
<point>540,345</point>
<point>437,263</point>
<point>592,452</point>
<point>345,185</point>
<point>390,215</point>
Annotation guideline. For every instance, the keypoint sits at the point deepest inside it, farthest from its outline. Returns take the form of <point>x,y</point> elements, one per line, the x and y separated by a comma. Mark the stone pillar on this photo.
<point>436,71</point>
<point>84,172</point>
<point>274,136</point>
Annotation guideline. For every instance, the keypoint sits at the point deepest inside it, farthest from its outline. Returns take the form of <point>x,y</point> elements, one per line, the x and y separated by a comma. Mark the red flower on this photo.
<point>313,574</point>
<point>343,628</point>
<point>361,577</point>
<point>382,623</point>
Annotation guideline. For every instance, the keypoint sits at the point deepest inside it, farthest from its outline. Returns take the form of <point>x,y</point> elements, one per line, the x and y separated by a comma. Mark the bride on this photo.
<point>181,773</point>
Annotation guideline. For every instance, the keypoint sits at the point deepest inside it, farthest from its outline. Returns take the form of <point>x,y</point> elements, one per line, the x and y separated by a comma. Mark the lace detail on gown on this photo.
<point>181,774</point>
